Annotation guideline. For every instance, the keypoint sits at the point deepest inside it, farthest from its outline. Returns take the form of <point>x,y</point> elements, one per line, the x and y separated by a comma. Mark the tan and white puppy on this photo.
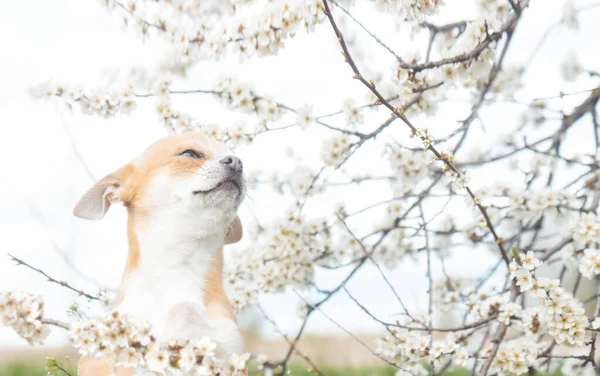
<point>182,196</point>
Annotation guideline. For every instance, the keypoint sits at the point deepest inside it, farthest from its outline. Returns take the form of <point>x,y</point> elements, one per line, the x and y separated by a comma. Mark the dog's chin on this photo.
<point>228,189</point>
<point>227,185</point>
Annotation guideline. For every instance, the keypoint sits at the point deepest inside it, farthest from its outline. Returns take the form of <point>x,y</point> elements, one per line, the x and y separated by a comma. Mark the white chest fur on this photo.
<point>167,289</point>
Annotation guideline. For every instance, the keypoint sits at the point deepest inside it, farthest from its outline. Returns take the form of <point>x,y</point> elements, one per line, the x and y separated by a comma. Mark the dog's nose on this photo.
<point>233,163</point>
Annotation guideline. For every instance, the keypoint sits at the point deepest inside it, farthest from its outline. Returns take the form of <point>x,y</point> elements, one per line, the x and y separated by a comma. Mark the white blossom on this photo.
<point>305,116</point>
<point>24,313</point>
<point>515,357</point>
<point>130,343</point>
<point>570,15</point>
<point>587,229</point>
<point>352,112</point>
<point>335,149</point>
<point>590,263</point>
<point>570,67</point>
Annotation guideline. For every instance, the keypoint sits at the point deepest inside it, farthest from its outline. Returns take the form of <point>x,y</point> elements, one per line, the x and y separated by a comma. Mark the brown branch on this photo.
<point>370,257</point>
<point>424,328</point>
<point>498,336</point>
<point>467,56</point>
<point>385,46</point>
<point>398,112</point>
<point>592,353</point>
<point>317,308</point>
<point>285,337</point>
<point>56,323</point>
<point>50,279</point>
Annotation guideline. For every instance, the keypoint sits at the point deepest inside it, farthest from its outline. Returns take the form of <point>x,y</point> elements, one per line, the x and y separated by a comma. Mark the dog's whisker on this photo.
<point>253,214</point>
<point>192,172</point>
<point>251,198</point>
<point>251,184</point>
<point>197,165</point>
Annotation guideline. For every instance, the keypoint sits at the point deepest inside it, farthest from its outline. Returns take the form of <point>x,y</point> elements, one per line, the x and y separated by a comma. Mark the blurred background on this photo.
<point>50,155</point>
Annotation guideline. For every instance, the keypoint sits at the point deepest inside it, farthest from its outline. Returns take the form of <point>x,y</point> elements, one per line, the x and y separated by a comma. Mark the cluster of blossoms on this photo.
<point>291,250</point>
<point>586,234</point>
<point>451,290</point>
<point>425,137</point>
<point>498,8</point>
<point>128,343</point>
<point>590,263</point>
<point>287,258</point>
<point>335,149</point>
<point>171,119</point>
<point>570,68</point>
<point>352,112</point>
<point>507,82</point>
<point>482,304</point>
<point>237,133</point>
<point>396,245</point>
<point>457,294</point>
<point>343,251</point>
<point>561,314</point>
<point>459,180</point>
<point>415,10</point>
<point>531,204</point>
<point>508,311</point>
<point>515,357</point>
<point>301,182</point>
<point>405,82</point>
<point>104,103</point>
<point>120,339</point>
<point>210,29</point>
<point>535,114</point>
<point>575,367</point>
<point>178,122</point>
<point>412,166</point>
<point>305,116</point>
<point>471,74</point>
<point>410,350</point>
<point>266,33</point>
<point>240,96</point>
<point>24,312</point>
<point>587,229</point>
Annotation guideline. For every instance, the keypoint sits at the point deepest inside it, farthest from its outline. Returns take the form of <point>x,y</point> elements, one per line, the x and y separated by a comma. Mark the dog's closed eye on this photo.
<point>192,154</point>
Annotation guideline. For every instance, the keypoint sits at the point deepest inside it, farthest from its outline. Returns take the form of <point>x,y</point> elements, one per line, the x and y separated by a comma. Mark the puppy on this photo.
<point>182,196</point>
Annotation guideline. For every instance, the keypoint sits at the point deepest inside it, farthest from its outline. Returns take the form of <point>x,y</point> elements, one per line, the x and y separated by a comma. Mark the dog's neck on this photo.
<point>164,252</point>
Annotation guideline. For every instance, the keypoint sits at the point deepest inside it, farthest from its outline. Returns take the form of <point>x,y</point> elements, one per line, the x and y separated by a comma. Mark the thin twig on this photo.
<point>50,279</point>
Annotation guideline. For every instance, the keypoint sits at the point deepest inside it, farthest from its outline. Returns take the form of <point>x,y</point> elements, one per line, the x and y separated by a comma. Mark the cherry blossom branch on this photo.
<point>398,112</point>
<point>467,56</point>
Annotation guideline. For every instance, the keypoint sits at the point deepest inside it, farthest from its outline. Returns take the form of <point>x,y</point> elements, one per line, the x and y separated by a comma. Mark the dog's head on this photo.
<point>188,181</point>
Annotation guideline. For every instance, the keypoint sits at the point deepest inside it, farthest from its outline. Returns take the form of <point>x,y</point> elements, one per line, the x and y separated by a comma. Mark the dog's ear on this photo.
<point>96,201</point>
<point>234,231</point>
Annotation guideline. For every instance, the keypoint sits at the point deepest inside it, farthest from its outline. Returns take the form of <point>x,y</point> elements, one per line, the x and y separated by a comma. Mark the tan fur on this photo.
<point>215,299</point>
<point>132,180</point>
<point>93,367</point>
<point>159,157</point>
<point>96,367</point>
<point>133,257</point>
